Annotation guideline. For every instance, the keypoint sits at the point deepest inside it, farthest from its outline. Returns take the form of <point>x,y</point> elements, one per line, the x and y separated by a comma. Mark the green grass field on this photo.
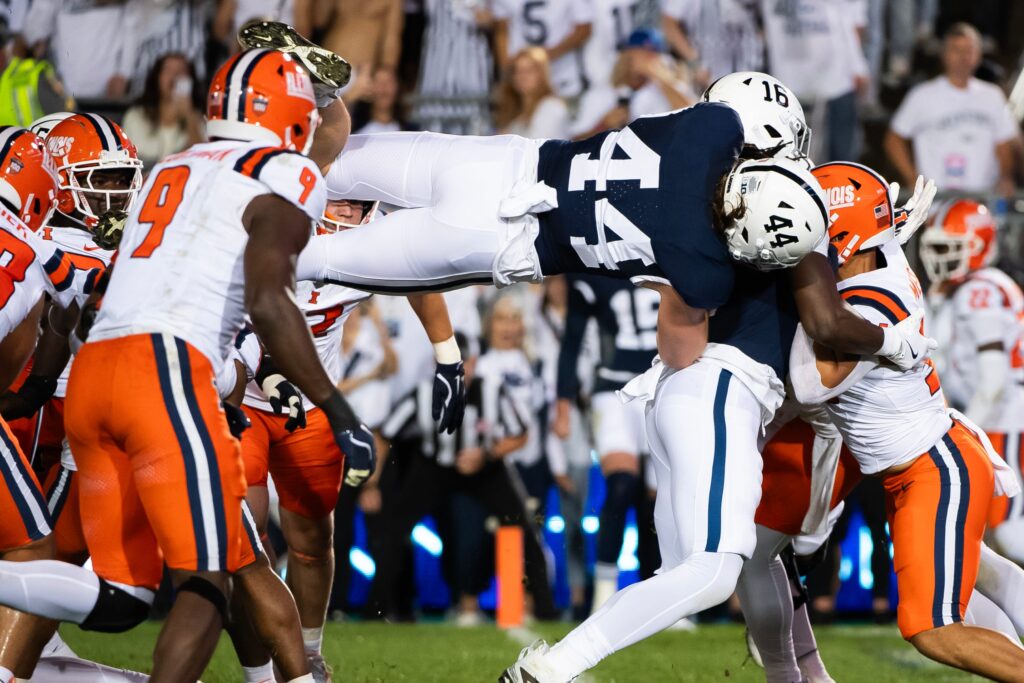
<point>383,653</point>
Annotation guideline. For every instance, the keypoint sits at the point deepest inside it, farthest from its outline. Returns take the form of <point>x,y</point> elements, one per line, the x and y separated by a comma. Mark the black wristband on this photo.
<point>37,389</point>
<point>339,413</point>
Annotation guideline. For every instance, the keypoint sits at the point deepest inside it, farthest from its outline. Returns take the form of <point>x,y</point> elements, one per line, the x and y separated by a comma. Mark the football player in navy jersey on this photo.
<point>703,420</point>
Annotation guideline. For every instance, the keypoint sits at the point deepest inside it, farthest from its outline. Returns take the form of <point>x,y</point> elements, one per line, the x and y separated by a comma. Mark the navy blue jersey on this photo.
<point>627,319</point>
<point>759,319</point>
<point>637,202</point>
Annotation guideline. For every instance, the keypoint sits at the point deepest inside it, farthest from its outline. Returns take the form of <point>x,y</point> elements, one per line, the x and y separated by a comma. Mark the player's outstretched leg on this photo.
<point>192,629</point>
<point>310,574</point>
<point>1002,582</point>
<point>708,471</point>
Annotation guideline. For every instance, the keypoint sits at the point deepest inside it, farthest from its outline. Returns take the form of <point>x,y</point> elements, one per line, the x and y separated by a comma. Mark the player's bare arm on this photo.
<point>331,135</point>
<point>17,346</point>
<point>682,329</point>
<point>822,313</point>
<point>449,382</point>
<point>277,233</point>
<point>52,353</point>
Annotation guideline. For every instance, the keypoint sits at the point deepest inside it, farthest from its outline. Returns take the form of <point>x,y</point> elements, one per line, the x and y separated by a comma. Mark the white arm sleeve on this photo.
<point>227,378</point>
<point>991,368</point>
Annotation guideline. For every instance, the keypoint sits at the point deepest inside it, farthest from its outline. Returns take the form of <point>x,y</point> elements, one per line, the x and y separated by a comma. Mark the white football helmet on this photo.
<point>785,216</point>
<point>773,120</point>
<point>45,123</point>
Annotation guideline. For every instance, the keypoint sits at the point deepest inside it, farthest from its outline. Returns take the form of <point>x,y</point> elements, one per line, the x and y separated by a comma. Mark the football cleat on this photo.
<point>323,65</point>
<point>530,667</point>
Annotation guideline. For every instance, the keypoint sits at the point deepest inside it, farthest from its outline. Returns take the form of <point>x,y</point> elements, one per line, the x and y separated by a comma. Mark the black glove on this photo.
<point>449,402</point>
<point>238,421</point>
<point>284,398</point>
<point>26,401</point>
<point>360,454</point>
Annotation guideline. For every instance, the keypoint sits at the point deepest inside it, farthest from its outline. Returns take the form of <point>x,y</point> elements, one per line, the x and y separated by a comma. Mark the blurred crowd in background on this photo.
<point>907,86</point>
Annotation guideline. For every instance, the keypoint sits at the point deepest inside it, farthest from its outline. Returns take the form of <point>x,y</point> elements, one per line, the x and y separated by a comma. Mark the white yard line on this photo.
<point>525,637</point>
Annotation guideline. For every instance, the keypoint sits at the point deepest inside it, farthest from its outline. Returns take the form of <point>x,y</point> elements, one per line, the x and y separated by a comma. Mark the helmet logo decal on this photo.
<point>60,145</point>
<point>15,166</point>
<point>298,86</point>
<point>259,104</point>
<point>840,197</point>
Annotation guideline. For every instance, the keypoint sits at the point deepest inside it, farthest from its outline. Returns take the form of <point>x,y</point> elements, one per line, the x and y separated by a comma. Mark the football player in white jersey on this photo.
<point>561,27</point>
<point>33,269</point>
<point>938,475</point>
<point>162,480</point>
<point>979,318</point>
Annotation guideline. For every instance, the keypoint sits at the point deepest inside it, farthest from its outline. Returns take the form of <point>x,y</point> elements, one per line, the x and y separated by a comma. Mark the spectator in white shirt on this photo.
<point>527,104</point>
<point>561,27</point>
<point>814,48</point>
<point>233,14</point>
<point>645,81</point>
<point>85,38</point>
<point>961,128</point>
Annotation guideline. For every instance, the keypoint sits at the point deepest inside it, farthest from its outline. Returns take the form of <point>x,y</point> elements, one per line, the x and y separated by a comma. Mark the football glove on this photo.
<point>109,230</point>
<point>360,454</point>
<point>238,421</point>
<point>449,402</point>
<point>284,398</point>
<point>905,343</point>
<point>912,215</point>
<point>27,400</point>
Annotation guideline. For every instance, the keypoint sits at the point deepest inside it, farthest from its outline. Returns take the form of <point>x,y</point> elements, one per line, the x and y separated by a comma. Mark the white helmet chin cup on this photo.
<point>773,120</point>
<point>785,216</point>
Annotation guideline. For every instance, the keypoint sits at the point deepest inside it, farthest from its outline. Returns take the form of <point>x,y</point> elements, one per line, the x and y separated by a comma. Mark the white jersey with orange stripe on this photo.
<point>326,308</point>
<point>888,417</point>
<point>32,267</point>
<point>986,310</point>
<point>180,268</point>
<point>85,255</point>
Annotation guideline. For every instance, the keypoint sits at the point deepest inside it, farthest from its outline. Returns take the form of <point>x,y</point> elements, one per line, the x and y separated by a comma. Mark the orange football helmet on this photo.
<point>98,167</point>
<point>28,177</point>
<point>263,95</point>
<point>860,209</point>
<point>961,239</point>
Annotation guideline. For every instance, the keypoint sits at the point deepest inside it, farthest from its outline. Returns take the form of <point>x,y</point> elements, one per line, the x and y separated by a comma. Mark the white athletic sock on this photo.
<point>6,675</point>
<point>313,639</point>
<point>606,584</point>
<point>703,580</point>
<point>807,656</point>
<point>767,603</point>
<point>308,678</point>
<point>1002,582</point>
<point>259,674</point>
<point>51,589</point>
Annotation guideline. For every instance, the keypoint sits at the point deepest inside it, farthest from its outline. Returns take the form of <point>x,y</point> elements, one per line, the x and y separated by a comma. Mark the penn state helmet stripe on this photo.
<point>160,351</point>
<point>796,179</point>
<point>717,491</point>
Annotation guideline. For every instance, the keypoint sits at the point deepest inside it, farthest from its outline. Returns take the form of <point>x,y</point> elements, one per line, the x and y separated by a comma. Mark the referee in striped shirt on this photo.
<point>470,461</point>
